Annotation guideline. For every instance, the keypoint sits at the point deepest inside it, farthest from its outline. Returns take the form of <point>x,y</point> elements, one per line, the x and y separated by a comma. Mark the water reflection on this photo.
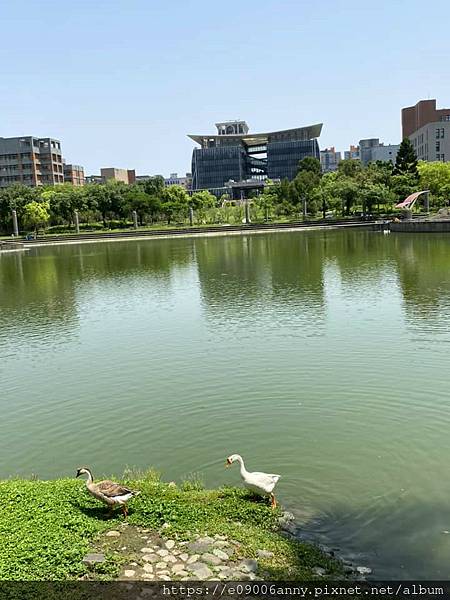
<point>319,355</point>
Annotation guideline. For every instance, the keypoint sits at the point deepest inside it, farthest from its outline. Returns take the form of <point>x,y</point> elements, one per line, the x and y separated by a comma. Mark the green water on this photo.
<point>322,356</point>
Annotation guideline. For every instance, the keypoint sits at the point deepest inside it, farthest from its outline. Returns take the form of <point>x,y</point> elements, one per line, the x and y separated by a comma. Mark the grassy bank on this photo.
<point>46,527</point>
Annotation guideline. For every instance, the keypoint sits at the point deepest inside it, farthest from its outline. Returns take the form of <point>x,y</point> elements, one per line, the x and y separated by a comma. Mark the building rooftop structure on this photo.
<point>234,153</point>
<point>254,139</point>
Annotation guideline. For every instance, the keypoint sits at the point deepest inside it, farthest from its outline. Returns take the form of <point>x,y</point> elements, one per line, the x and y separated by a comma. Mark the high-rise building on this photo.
<point>352,153</point>
<point>371,150</point>
<point>432,141</point>
<point>113,174</point>
<point>423,113</point>
<point>234,154</point>
<point>30,161</point>
<point>74,174</point>
<point>329,159</point>
<point>428,129</point>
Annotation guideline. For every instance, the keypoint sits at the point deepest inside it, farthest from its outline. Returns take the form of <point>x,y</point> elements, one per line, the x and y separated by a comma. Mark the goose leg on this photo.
<point>273,502</point>
<point>125,510</point>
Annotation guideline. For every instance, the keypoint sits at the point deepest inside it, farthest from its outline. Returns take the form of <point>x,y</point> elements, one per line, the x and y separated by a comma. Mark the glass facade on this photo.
<point>212,167</point>
<point>241,157</point>
<point>283,157</point>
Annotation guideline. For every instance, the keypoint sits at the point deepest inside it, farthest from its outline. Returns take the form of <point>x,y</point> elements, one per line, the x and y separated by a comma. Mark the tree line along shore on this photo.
<point>352,189</point>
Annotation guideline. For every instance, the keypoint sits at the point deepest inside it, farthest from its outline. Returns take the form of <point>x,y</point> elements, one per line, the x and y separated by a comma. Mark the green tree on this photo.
<point>64,200</point>
<point>349,167</point>
<point>435,176</point>
<point>325,195</point>
<point>175,201</point>
<point>15,197</point>
<point>311,164</point>
<point>266,202</point>
<point>346,189</point>
<point>403,185</point>
<point>154,186</point>
<point>37,214</point>
<point>302,186</point>
<point>141,202</point>
<point>406,161</point>
<point>374,194</point>
<point>202,200</point>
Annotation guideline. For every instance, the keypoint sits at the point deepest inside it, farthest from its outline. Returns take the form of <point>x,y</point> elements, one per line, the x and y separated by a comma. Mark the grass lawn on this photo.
<point>46,527</point>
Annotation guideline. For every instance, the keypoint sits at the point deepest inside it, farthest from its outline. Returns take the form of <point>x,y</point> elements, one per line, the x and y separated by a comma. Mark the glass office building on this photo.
<point>234,154</point>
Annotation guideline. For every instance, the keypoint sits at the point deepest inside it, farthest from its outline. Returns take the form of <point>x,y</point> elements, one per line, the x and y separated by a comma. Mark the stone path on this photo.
<point>150,556</point>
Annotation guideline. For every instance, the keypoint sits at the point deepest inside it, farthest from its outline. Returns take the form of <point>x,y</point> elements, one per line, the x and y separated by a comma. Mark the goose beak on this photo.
<point>227,462</point>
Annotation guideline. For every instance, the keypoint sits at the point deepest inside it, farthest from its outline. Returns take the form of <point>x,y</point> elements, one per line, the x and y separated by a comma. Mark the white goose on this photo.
<point>260,483</point>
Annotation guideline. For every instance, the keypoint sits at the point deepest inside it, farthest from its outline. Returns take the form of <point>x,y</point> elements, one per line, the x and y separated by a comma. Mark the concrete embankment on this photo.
<point>11,246</point>
<point>417,226</point>
<point>197,232</point>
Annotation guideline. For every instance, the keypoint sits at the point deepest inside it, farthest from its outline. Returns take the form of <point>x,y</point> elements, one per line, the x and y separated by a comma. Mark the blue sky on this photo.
<point>121,83</point>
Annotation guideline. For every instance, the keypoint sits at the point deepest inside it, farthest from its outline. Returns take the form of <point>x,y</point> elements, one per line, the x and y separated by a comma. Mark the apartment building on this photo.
<point>329,159</point>
<point>74,174</point>
<point>428,129</point>
<point>30,161</point>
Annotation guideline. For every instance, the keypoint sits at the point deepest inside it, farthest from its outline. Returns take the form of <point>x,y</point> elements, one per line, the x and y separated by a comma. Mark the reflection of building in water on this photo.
<point>243,276</point>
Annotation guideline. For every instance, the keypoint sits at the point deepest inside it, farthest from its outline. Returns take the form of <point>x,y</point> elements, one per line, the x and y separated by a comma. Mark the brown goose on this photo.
<point>108,492</point>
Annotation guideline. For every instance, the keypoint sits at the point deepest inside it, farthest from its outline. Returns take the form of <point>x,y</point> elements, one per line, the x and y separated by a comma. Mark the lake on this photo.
<point>323,356</point>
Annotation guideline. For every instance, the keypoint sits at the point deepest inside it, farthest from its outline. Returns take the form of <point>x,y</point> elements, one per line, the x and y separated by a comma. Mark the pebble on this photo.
<point>170,544</point>
<point>364,570</point>
<point>161,565</point>
<point>221,544</point>
<point>171,559</point>
<point>129,573</point>
<point>183,557</point>
<point>148,568</point>
<point>247,576</point>
<point>201,571</point>
<point>211,558</point>
<point>113,533</point>
<point>90,559</point>
<point>249,565</point>
<point>162,552</point>
<point>319,571</point>
<point>194,558</point>
<point>165,578</point>
<point>220,554</point>
<point>150,557</point>
<point>264,553</point>
<point>147,550</point>
<point>178,567</point>
<point>200,546</point>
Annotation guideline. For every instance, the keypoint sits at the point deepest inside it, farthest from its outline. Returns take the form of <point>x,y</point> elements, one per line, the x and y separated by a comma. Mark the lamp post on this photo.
<point>15,223</point>
<point>77,221</point>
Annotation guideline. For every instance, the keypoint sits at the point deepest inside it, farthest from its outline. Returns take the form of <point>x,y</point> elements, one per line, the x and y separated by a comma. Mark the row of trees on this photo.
<point>352,188</point>
<point>109,203</point>
<point>378,186</point>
